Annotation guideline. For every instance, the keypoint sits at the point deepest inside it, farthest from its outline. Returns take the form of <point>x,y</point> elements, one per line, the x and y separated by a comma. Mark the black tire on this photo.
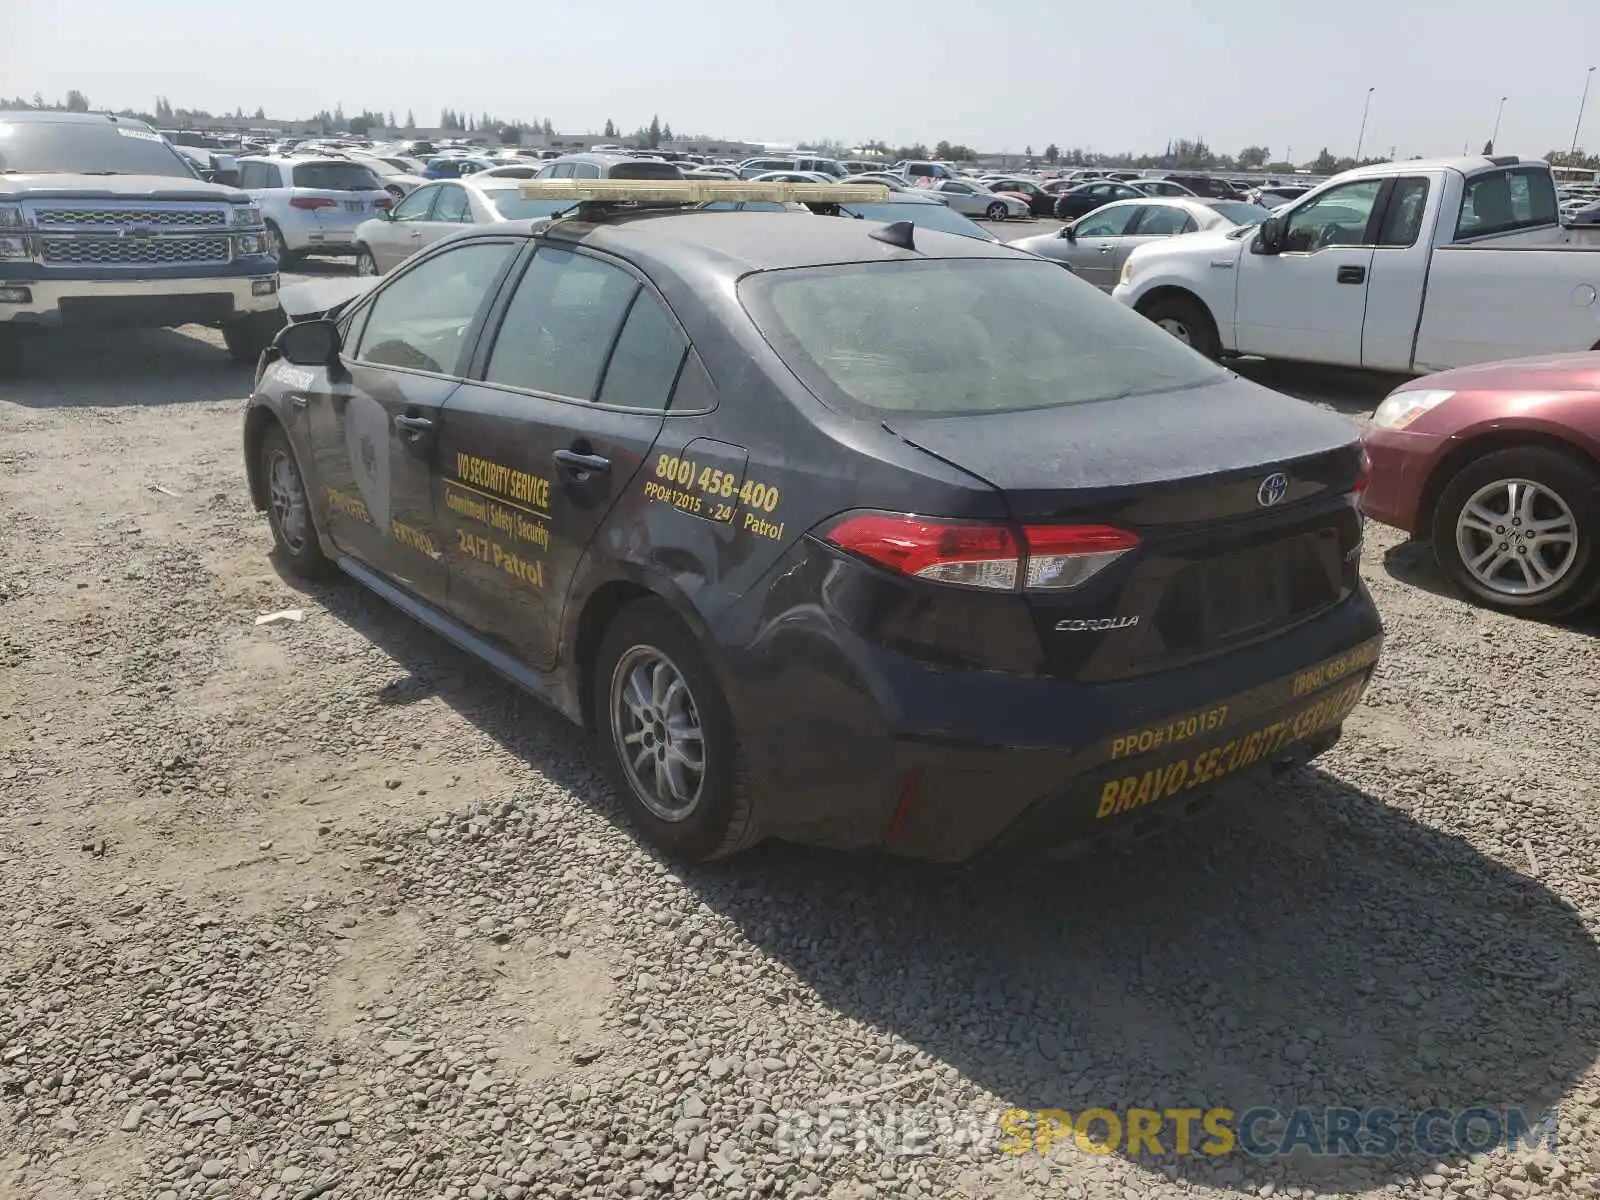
<point>996,211</point>
<point>302,553</point>
<point>1559,473</point>
<point>248,336</point>
<point>10,352</point>
<point>287,258</point>
<point>1187,314</point>
<point>366,259</point>
<point>720,820</point>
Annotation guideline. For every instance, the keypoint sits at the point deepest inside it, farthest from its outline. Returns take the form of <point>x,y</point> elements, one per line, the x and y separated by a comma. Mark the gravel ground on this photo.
<point>318,908</point>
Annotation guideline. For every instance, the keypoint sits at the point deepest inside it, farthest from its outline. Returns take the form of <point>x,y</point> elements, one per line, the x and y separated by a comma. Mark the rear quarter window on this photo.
<point>1505,201</point>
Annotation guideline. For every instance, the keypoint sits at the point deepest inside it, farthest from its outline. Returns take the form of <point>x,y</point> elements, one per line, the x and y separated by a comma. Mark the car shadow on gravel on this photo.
<point>112,368</point>
<point>1299,945</point>
<point>1413,564</point>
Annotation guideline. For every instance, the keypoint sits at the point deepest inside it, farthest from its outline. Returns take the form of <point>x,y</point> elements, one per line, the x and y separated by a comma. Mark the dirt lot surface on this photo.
<point>319,908</point>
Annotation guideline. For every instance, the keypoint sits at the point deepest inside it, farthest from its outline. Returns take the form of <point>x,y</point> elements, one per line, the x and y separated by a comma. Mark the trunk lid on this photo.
<point>1229,553</point>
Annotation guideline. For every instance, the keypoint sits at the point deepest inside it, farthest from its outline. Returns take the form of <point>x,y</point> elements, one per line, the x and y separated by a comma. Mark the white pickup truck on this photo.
<point>1408,267</point>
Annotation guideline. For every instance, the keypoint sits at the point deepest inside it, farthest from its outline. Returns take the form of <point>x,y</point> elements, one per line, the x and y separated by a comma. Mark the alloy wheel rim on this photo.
<point>273,243</point>
<point>656,726</point>
<point>364,264</point>
<point>1517,537</point>
<point>287,496</point>
<point>1177,329</point>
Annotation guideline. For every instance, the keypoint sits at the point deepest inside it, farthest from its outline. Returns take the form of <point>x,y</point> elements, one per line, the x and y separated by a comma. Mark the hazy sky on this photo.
<point>1128,74</point>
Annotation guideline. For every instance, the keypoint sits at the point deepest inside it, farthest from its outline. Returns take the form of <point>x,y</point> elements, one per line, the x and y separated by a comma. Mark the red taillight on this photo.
<point>311,203</point>
<point>982,555</point>
<point>1364,475</point>
<point>384,204</point>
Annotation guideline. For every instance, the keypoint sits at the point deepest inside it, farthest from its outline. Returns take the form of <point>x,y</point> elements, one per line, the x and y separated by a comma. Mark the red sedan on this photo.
<point>1499,465</point>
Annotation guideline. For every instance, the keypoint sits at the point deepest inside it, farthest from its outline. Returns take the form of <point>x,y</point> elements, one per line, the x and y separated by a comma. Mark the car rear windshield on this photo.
<point>645,170</point>
<point>87,148</point>
<point>335,177</point>
<point>512,206</point>
<point>955,336</point>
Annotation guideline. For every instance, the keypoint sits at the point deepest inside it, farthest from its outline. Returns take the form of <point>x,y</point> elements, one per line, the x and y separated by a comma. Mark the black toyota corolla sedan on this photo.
<point>828,530</point>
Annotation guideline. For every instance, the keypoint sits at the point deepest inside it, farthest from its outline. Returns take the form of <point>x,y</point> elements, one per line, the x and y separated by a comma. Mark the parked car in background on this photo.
<point>973,199</point>
<point>607,166</point>
<point>765,164</point>
<point>923,173</point>
<point>211,165</point>
<point>397,182</point>
<point>1040,202</point>
<point>1095,246</point>
<point>793,177</point>
<point>895,183</point>
<point>1274,194</point>
<point>1162,187</point>
<point>1085,198</point>
<point>454,166</point>
<point>920,208</point>
<point>438,209</point>
<point>1499,465</point>
<point>104,223</point>
<point>1210,185</point>
<point>1410,267</point>
<point>312,205</point>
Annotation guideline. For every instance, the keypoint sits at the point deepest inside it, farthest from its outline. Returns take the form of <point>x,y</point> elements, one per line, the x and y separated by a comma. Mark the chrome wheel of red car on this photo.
<point>1517,536</point>
<point>1515,530</point>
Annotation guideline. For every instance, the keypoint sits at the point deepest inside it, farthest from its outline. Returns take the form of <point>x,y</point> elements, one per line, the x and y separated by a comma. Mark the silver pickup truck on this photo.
<point>102,223</point>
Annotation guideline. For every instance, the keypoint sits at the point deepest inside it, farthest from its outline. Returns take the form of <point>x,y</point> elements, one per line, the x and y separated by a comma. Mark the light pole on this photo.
<point>1588,75</point>
<point>1362,136</point>
<point>1495,136</point>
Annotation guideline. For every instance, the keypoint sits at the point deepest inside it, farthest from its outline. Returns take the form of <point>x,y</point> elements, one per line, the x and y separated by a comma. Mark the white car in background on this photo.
<point>312,205</point>
<point>438,209</point>
<point>975,200</point>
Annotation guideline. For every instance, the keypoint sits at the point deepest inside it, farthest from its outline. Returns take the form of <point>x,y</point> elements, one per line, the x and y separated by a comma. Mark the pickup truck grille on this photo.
<point>101,218</point>
<point>100,250</point>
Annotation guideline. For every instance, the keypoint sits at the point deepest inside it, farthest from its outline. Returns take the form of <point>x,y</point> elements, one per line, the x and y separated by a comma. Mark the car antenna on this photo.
<point>898,234</point>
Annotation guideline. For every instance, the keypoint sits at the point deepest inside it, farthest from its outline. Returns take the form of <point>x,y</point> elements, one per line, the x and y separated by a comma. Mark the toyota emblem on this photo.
<point>1273,489</point>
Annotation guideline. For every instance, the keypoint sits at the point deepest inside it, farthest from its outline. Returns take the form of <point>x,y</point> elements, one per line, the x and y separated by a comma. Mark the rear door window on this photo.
<point>452,205</point>
<point>1163,220</point>
<point>1505,201</point>
<point>560,325</point>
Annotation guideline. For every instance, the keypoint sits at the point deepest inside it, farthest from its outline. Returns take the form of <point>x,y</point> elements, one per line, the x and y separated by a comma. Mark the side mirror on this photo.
<point>1068,232</point>
<point>1269,238</point>
<point>309,343</point>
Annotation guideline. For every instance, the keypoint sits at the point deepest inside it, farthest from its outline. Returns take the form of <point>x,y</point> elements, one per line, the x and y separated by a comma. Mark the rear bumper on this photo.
<point>138,303</point>
<point>856,745</point>
<point>1402,462</point>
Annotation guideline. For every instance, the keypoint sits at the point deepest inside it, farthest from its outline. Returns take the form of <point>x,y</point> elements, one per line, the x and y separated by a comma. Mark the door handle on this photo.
<point>414,425</point>
<point>582,464</point>
<point>1105,249</point>
<point>1352,275</point>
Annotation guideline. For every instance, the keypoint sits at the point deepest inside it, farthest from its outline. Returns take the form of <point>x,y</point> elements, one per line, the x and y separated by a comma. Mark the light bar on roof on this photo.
<point>699,191</point>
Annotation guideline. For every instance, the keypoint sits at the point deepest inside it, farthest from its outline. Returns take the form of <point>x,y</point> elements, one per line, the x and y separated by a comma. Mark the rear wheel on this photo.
<point>1516,531</point>
<point>1187,320</point>
<point>289,507</point>
<point>996,211</point>
<point>668,737</point>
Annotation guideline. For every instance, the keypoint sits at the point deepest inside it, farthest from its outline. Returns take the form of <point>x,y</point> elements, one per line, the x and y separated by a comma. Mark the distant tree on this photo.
<point>1324,163</point>
<point>261,114</point>
<point>510,135</point>
<point>77,101</point>
<point>941,151</point>
<point>1281,168</point>
<point>1028,153</point>
<point>411,119</point>
<point>389,121</point>
<point>1052,154</point>
<point>38,100</point>
<point>1571,158</point>
<point>611,130</point>
<point>549,129</point>
<point>654,134</point>
<point>1253,158</point>
<point>360,125</point>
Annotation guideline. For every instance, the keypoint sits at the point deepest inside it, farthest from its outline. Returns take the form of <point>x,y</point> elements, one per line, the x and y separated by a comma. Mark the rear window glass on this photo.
<point>1504,201</point>
<point>646,170</point>
<point>335,176</point>
<point>1241,213</point>
<point>962,336</point>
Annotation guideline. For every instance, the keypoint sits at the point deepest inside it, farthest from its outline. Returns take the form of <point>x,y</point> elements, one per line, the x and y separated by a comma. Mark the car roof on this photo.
<point>42,116</point>
<point>735,244</point>
<point>589,156</point>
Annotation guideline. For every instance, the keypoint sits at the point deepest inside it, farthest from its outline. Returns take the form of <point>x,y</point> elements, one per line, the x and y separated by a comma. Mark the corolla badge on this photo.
<point>1096,624</point>
<point>1273,489</point>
